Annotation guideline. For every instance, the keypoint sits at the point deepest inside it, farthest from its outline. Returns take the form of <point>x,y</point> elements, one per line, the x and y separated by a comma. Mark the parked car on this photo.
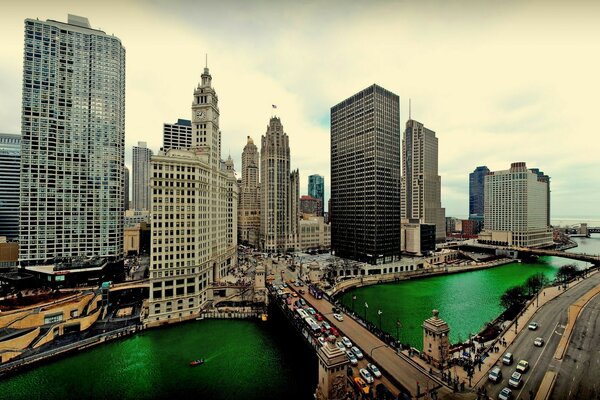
<point>334,331</point>
<point>319,317</point>
<point>533,326</point>
<point>495,374</point>
<point>346,342</point>
<point>515,380</point>
<point>374,370</point>
<point>522,366</point>
<point>321,340</point>
<point>361,385</point>
<point>326,325</point>
<point>340,345</point>
<point>505,394</point>
<point>301,291</point>
<point>366,375</point>
<point>339,317</point>
<point>357,352</point>
<point>539,342</point>
<point>352,357</point>
<point>507,359</point>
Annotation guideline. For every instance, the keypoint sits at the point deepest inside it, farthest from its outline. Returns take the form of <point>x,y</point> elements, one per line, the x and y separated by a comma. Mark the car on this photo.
<point>374,370</point>
<point>495,374</point>
<point>346,342</point>
<point>326,325</point>
<point>533,326</point>
<point>311,311</point>
<point>294,294</point>
<point>284,285</point>
<point>319,317</point>
<point>357,352</point>
<point>515,379</point>
<point>361,385</point>
<point>352,357</point>
<point>303,302</point>
<point>505,394</point>
<point>539,342</point>
<point>522,366</point>
<point>334,331</point>
<point>366,375</point>
<point>280,292</point>
<point>340,345</point>
<point>301,291</point>
<point>507,359</point>
<point>339,317</point>
<point>321,340</point>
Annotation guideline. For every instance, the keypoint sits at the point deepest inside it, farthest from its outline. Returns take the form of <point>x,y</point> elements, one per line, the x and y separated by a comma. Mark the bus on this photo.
<point>315,292</point>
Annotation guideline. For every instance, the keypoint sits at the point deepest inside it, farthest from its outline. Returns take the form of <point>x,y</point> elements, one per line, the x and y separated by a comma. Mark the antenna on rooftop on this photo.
<point>409,115</point>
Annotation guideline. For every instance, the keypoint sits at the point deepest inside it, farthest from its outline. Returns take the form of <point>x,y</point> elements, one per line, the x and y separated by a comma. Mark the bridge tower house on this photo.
<point>333,380</point>
<point>435,339</point>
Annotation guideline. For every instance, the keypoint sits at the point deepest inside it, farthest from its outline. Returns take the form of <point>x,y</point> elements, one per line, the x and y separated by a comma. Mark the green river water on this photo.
<point>265,360</point>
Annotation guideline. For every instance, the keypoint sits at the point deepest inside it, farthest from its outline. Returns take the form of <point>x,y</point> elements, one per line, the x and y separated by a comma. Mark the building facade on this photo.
<point>476,193</point>
<point>72,148</point>
<point>10,159</point>
<point>421,184</point>
<point>314,233</point>
<point>365,176</point>
<point>516,208</point>
<point>279,190</point>
<point>177,135</point>
<point>249,207</point>
<point>310,205</point>
<point>141,176</point>
<point>125,188</point>
<point>194,217</point>
<point>316,189</point>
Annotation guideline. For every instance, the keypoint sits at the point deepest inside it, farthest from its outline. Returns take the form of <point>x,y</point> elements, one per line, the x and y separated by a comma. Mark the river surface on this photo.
<point>266,360</point>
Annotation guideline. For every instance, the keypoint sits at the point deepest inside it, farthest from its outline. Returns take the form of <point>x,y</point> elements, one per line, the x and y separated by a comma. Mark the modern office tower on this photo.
<point>73,132</point>
<point>141,176</point>
<point>177,135</point>
<point>544,178</point>
<point>516,208</point>
<point>194,217</point>
<point>316,189</point>
<point>365,176</point>
<point>125,188</point>
<point>421,184</point>
<point>278,192</point>
<point>10,156</point>
<point>249,204</point>
<point>310,205</point>
<point>476,198</point>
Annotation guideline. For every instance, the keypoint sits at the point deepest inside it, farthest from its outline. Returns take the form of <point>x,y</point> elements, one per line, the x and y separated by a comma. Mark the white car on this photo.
<point>366,375</point>
<point>374,370</point>
<point>357,352</point>
<point>539,342</point>
<point>533,326</point>
<point>346,342</point>
<point>351,357</point>
<point>339,317</point>
<point>515,380</point>
<point>340,345</point>
<point>505,394</point>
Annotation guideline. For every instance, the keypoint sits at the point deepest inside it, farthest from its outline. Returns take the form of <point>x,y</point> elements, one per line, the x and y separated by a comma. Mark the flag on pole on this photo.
<point>366,305</point>
<point>273,105</point>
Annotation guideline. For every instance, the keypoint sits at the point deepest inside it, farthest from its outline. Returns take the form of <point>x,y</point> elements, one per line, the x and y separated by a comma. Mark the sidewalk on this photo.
<point>507,334</point>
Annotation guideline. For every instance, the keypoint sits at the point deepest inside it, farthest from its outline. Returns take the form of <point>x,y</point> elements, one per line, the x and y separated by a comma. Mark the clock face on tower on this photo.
<point>200,114</point>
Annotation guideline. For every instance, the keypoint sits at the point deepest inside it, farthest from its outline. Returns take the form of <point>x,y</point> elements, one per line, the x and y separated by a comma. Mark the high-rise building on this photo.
<point>194,217</point>
<point>10,156</point>
<point>177,135</point>
<point>476,194</point>
<point>316,189</point>
<point>421,184</point>
<point>310,205</point>
<point>278,192</point>
<point>516,208</point>
<point>249,204</point>
<point>365,176</point>
<point>125,188</point>
<point>73,126</point>
<point>141,176</point>
<point>544,178</point>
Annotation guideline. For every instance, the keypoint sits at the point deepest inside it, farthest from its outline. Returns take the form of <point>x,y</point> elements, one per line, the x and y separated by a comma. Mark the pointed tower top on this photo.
<point>409,110</point>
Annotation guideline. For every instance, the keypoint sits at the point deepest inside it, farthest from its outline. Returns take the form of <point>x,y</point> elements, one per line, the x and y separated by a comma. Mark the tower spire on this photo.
<point>205,60</point>
<point>409,114</point>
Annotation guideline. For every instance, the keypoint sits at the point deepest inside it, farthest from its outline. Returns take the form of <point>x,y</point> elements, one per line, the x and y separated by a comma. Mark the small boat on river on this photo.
<point>197,362</point>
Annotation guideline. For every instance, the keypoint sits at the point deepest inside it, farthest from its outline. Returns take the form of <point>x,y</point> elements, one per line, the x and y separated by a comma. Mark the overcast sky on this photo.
<point>498,82</point>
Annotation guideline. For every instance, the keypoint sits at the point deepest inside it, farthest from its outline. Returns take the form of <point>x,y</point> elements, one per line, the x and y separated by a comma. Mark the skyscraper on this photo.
<point>249,204</point>
<point>316,189</point>
<point>125,188</point>
<point>177,135</point>
<point>365,176</point>
<point>10,156</point>
<point>476,193</point>
<point>278,192</point>
<point>141,176</point>
<point>421,184</point>
<point>194,217</point>
<point>516,208</point>
<point>73,123</point>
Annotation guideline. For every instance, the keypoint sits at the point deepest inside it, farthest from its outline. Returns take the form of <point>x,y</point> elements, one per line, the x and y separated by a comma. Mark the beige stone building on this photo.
<point>249,204</point>
<point>194,217</point>
<point>314,233</point>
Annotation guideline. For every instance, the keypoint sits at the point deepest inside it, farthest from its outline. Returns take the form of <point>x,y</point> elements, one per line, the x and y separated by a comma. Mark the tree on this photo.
<point>566,273</point>
<point>535,282</point>
<point>512,296</point>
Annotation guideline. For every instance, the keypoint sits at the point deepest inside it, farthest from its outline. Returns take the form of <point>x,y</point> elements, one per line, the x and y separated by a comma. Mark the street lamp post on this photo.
<point>353,300</point>
<point>398,326</point>
<point>366,308</point>
<point>375,348</point>
<point>379,312</point>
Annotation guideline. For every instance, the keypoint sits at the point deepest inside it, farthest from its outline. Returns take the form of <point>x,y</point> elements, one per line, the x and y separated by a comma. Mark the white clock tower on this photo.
<point>206,136</point>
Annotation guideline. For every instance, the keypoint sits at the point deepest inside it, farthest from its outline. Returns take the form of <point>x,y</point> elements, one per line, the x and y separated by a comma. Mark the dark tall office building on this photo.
<point>10,156</point>
<point>316,189</point>
<point>476,199</point>
<point>365,176</point>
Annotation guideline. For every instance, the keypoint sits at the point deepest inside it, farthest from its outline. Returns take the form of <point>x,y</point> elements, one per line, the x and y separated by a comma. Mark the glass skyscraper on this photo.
<point>316,189</point>
<point>73,123</point>
<point>476,193</point>
<point>365,176</point>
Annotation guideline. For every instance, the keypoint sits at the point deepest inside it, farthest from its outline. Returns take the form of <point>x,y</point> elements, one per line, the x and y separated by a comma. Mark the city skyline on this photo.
<point>486,78</point>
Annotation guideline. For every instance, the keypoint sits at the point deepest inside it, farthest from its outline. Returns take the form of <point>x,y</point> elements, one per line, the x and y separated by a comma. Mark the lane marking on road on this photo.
<point>536,362</point>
